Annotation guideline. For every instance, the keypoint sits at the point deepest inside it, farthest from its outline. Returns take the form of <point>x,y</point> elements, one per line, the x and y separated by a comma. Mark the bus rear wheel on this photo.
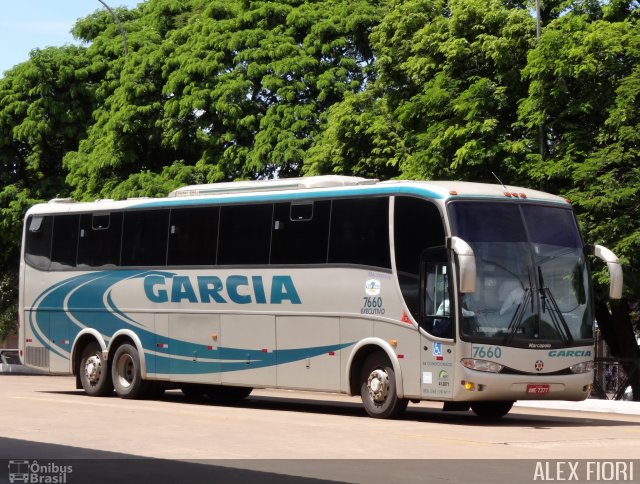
<point>378,388</point>
<point>491,409</point>
<point>126,373</point>
<point>94,371</point>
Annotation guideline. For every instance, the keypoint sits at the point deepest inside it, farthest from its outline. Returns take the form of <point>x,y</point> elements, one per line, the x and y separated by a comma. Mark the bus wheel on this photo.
<point>491,409</point>
<point>126,374</point>
<point>378,388</point>
<point>94,371</point>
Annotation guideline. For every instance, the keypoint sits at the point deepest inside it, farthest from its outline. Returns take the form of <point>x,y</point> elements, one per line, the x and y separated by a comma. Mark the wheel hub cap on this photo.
<point>378,385</point>
<point>125,370</point>
<point>93,369</point>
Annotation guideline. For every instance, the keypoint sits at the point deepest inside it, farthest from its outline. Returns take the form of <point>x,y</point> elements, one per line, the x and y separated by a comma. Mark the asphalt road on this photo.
<point>290,436</point>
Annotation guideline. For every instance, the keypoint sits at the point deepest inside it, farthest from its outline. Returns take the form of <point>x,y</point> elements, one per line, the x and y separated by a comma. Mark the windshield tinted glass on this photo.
<point>562,273</point>
<point>532,279</point>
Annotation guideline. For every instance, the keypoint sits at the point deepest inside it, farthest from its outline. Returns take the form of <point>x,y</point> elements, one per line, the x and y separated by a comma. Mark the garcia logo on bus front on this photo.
<point>238,289</point>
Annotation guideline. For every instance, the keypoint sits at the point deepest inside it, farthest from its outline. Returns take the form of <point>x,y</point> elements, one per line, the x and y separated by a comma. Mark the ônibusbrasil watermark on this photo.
<point>38,472</point>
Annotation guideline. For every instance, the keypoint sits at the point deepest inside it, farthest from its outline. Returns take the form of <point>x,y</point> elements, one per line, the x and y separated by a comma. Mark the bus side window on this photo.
<point>100,239</point>
<point>300,233</point>
<point>144,238</point>
<point>417,226</point>
<point>301,212</point>
<point>359,232</point>
<point>64,246</point>
<point>436,313</point>
<point>193,236</point>
<point>38,241</point>
<point>245,234</point>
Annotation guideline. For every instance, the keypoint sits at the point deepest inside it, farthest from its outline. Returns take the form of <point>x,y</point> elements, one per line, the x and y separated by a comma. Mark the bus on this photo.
<point>474,295</point>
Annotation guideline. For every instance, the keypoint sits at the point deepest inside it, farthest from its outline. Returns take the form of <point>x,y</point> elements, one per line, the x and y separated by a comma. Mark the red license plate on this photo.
<point>537,389</point>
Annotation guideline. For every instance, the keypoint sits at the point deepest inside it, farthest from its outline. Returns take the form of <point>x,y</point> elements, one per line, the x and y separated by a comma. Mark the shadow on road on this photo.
<point>61,463</point>
<point>26,461</point>
<point>530,420</point>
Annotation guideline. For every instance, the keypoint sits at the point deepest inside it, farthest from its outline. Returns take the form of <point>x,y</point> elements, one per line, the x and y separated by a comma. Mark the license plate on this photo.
<point>537,389</point>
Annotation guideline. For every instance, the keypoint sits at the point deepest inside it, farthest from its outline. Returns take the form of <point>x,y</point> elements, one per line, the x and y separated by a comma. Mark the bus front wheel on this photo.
<point>491,409</point>
<point>126,374</point>
<point>378,388</point>
<point>94,371</point>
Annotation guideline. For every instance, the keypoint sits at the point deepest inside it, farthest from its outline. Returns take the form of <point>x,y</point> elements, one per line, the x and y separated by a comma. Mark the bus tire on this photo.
<point>126,374</point>
<point>491,409</point>
<point>378,388</point>
<point>93,370</point>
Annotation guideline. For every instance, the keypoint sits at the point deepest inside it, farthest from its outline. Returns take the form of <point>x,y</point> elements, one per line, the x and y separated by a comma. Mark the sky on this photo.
<point>29,24</point>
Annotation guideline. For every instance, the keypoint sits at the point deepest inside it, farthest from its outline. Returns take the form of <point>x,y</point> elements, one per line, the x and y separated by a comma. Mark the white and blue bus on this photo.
<point>470,294</point>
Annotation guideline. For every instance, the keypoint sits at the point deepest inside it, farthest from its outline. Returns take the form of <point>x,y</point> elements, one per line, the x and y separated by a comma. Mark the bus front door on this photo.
<point>438,322</point>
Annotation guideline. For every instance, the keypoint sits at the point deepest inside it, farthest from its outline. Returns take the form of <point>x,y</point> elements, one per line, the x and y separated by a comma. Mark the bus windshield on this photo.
<point>532,277</point>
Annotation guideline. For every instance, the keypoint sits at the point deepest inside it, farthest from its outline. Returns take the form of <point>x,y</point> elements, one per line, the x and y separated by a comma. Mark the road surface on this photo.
<point>280,434</point>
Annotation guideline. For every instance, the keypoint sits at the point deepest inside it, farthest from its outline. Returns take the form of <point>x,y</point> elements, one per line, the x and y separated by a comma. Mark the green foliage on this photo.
<point>45,107</point>
<point>360,138</point>
<point>607,183</point>
<point>585,90</point>
<point>250,81</point>
<point>450,77</point>
<point>8,305</point>
<point>126,135</point>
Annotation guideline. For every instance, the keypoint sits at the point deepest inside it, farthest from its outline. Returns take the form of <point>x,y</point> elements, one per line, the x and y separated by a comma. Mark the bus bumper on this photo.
<point>483,386</point>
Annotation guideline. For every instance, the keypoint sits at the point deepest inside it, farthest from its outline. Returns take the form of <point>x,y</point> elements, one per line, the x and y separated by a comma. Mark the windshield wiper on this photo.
<point>517,318</point>
<point>554,311</point>
<point>530,285</point>
<point>541,290</point>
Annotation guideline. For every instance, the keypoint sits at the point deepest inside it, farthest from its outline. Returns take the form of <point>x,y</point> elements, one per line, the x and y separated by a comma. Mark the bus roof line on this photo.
<point>307,188</point>
<point>324,181</point>
<point>289,195</point>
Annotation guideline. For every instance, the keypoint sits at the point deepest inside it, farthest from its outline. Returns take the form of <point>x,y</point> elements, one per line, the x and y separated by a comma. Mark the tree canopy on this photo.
<point>238,89</point>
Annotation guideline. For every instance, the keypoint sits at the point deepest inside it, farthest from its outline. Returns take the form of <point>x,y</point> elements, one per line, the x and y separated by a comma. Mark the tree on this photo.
<point>360,138</point>
<point>126,137</point>
<point>226,90</point>
<point>252,79</point>
<point>585,92</point>
<point>447,88</point>
<point>45,105</point>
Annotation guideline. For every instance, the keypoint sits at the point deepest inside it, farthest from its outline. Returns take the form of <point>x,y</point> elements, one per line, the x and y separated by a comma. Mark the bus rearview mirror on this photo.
<point>615,270</point>
<point>467,264</point>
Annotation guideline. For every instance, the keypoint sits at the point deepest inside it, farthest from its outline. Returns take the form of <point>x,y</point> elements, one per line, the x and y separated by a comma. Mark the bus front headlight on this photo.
<point>584,367</point>
<point>482,365</point>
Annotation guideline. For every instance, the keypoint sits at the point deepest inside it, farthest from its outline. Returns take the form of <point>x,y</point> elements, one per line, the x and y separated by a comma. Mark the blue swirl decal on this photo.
<point>86,301</point>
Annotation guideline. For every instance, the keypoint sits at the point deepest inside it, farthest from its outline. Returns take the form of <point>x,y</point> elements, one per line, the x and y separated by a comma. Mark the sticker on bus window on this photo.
<point>437,349</point>
<point>372,287</point>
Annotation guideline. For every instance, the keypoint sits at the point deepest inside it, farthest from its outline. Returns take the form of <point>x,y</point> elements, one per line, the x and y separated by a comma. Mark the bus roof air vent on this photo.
<point>61,200</point>
<point>326,181</point>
